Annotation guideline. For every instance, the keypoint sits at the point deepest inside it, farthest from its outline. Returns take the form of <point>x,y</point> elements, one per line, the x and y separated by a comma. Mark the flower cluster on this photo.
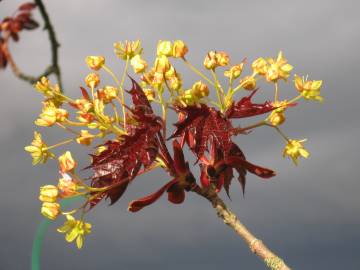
<point>133,138</point>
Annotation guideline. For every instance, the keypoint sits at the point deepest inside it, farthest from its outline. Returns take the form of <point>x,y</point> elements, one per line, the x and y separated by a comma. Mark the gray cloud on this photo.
<point>309,214</point>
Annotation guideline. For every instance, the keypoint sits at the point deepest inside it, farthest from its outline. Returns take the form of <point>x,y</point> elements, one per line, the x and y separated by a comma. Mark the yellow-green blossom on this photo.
<point>127,50</point>
<point>38,150</point>
<point>308,89</point>
<point>294,149</point>
<point>75,230</point>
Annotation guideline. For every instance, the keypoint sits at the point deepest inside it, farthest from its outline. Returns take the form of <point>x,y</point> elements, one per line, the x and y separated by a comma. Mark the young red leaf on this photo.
<point>3,57</point>
<point>138,204</point>
<point>202,124</point>
<point>27,6</point>
<point>245,108</point>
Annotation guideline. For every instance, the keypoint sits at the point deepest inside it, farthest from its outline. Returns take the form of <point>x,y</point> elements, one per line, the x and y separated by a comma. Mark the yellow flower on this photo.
<point>75,229</point>
<point>215,59</point>
<point>95,62</point>
<point>308,89</point>
<point>50,115</point>
<point>179,49</point>
<point>66,185</point>
<point>48,193</point>
<point>222,59</point>
<point>38,150</point>
<point>259,66</point>
<point>175,82</point>
<point>294,149</point>
<point>150,94</point>
<point>139,65</point>
<point>210,61</point>
<point>85,137</point>
<point>50,210</point>
<point>164,47</point>
<point>279,69</point>
<point>83,104</point>
<point>52,92</point>
<point>107,94</point>
<point>127,50</point>
<point>66,162</point>
<point>235,71</point>
<point>162,64</point>
<point>92,80</point>
<point>199,90</point>
<point>248,83</point>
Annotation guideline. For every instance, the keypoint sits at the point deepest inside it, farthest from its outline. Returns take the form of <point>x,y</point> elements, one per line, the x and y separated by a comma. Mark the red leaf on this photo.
<point>3,57</point>
<point>138,204</point>
<point>84,93</point>
<point>245,108</point>
<point>139,98</point>
<point>242,163</point>
<point>202,124</point>
<point>27,6</point>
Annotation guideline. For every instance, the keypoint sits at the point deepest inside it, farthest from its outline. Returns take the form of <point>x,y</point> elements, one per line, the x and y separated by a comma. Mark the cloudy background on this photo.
<point>309,215</point>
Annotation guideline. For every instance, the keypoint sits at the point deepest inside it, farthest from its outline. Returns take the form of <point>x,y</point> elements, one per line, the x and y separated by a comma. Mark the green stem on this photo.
<point>198,72</point>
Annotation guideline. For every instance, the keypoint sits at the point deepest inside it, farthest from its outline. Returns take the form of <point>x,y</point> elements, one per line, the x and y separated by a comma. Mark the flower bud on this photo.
<point>95,62</point>
<point>85,137</point>
<point>66,162</point>
<point>222,59</point>
<point>50,210</point>
<point>92,80</point>
<point>210,61</point>
<point>248,82</point>
<point>235,71</point>
<point>48,193</point>
<point>200,90</point>
<point>277,118</point>
<point>162,64</point>
<point>67,186</point>
<point>139,65</point>
<point>179,49</point>
<point>175,82</point>
<point>164,48</point>
<point>107,94</point>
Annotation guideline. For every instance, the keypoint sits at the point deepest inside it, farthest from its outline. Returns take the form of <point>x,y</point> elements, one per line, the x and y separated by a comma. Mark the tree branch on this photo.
<point>54,67</point>
<point>256,245</point>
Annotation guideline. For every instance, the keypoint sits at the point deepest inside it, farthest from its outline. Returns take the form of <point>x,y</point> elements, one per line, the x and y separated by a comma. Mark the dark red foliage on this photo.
<point>219,169</point>
<point>122,160</point>
<point>199,125</point>
<point>3,57</point>
<point>245,108</point>
<point>175,188</point>
<point>20,21</point>
<point>11,26</point>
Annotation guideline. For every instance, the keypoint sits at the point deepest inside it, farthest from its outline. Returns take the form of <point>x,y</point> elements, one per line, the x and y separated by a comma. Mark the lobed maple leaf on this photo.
<point>122,160</point>
<point>199,125</point>
<point>219,169</point>
<point>245,108</point>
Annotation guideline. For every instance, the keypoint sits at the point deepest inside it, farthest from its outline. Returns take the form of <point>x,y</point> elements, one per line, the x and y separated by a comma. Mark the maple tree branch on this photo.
<point>256,245</point>
<point>54,67</point>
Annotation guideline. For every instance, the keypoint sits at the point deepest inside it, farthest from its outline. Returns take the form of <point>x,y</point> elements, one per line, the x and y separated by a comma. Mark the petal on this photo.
<point>72,235</point>
<point>80,241</point>
<point>137,205</point>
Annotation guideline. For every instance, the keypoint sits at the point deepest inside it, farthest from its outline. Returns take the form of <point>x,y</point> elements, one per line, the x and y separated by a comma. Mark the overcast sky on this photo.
<point>309,215</point>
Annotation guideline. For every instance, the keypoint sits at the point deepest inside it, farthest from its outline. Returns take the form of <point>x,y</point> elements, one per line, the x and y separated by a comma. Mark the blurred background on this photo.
<point>309,214</point>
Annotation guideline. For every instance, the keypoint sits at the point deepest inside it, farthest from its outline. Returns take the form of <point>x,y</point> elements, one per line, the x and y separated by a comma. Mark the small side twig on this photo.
<point>256,245</point>
<point>54,67</point>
